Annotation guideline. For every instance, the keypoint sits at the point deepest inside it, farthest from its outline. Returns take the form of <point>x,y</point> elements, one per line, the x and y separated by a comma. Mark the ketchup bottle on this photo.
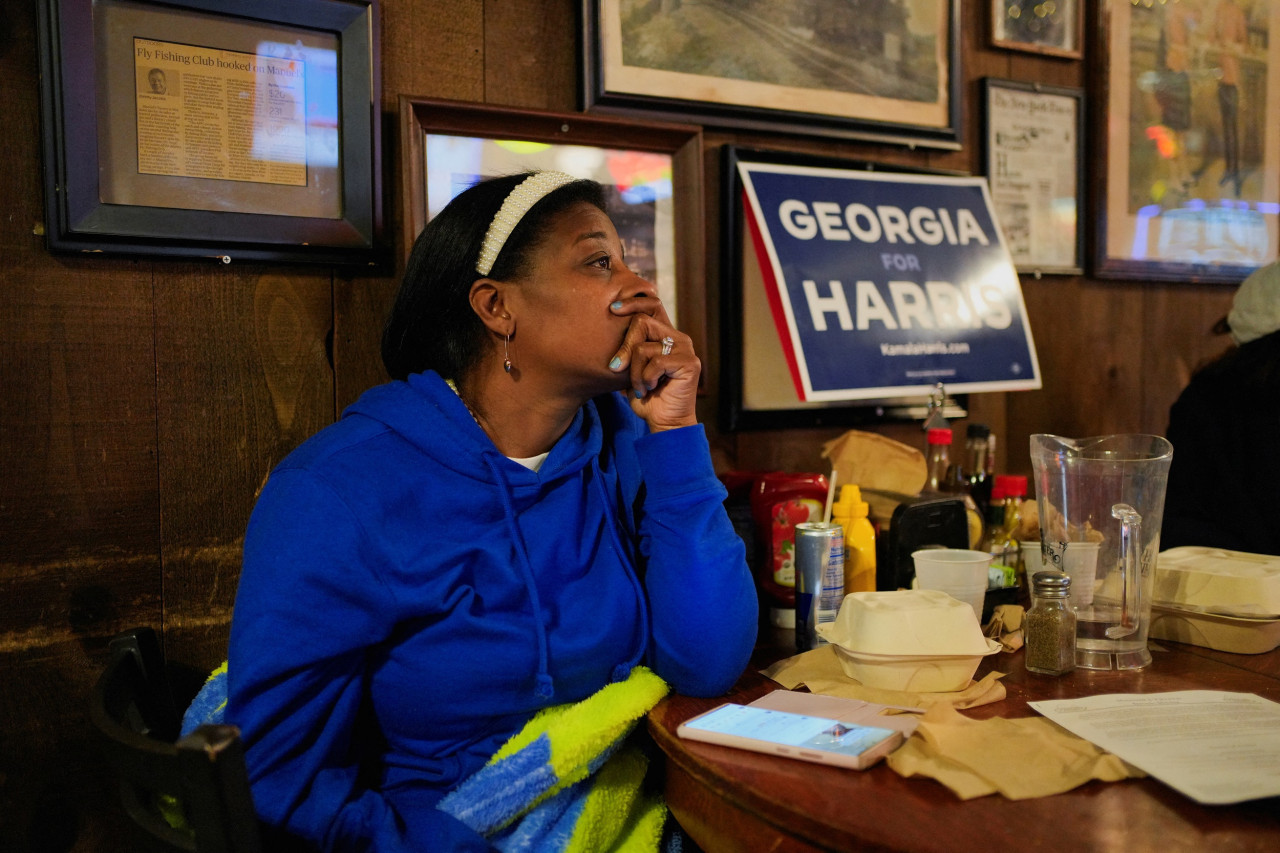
<point>780,501</point>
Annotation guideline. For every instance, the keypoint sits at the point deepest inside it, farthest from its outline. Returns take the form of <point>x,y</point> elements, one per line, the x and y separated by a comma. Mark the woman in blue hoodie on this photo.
<point>523,514</point>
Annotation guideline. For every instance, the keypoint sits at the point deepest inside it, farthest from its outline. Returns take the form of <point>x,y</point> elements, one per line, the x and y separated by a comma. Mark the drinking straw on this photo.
<point>831,496</point>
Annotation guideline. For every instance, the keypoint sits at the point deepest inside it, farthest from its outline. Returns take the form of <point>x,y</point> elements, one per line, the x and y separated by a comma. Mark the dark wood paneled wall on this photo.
<point>145,401</point>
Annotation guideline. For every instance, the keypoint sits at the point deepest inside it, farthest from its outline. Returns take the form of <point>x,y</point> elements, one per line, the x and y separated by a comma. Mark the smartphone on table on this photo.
<point>818,739</point>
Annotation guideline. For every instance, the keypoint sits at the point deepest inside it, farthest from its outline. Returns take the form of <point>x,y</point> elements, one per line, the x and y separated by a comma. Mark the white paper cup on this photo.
<point>975,597</point>
<point>1032,561</point>
<point>960,573</point>
<point>1080,562</point>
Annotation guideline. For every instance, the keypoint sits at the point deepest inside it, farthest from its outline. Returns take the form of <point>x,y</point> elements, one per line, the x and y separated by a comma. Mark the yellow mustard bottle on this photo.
<point>850,512</point>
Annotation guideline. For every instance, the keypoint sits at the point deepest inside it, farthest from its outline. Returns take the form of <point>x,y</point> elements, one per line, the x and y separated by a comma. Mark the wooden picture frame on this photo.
<point>883,72</point>
<point>232,130</point>
<point>1186,161</point>
<point>1034,158</point>
<point>447,145</point>
<point>1034,26</point>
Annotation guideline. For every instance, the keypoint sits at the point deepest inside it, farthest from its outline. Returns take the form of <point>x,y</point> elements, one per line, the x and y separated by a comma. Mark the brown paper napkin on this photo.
<point>1019,758</point>
<point>820,671</point>
<point>1005,626</point>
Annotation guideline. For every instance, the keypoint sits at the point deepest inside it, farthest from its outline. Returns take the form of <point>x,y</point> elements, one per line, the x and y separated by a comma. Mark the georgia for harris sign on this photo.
<point>887,283</point>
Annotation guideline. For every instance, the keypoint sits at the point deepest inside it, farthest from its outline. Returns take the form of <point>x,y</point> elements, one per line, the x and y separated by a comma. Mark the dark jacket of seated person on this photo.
<point>1224,481</point>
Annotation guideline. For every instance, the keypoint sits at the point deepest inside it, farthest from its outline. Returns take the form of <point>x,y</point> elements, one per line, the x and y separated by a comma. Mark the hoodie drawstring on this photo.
<point>622,670</point>
<point>544,687</point>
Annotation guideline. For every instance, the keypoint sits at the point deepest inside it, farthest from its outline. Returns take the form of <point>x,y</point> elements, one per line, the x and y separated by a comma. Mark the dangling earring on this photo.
<point>506,354</point>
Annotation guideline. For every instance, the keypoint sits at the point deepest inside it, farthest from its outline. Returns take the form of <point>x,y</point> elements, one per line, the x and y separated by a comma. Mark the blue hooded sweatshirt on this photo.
<point>410,597</point>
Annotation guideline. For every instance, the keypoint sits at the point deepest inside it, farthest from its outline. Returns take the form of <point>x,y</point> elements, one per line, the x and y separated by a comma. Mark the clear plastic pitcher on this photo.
<point>1101,501</point>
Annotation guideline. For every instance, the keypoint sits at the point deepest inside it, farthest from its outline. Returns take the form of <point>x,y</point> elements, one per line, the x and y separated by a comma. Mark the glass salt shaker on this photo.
<point>1050,625</point>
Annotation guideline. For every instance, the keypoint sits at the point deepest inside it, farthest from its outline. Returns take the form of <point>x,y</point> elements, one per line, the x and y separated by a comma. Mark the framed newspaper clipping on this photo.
<point>223,129</point>
<point>1034,154</point>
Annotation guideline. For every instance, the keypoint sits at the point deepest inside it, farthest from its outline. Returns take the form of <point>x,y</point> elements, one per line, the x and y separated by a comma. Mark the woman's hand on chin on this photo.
<point>659,362</point>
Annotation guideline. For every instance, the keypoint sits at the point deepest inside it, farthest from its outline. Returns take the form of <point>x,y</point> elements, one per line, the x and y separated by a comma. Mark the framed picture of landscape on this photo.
<point>887,71</point>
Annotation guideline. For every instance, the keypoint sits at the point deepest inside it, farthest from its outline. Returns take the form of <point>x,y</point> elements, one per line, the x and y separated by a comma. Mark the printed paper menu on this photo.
<point>1214,747</point>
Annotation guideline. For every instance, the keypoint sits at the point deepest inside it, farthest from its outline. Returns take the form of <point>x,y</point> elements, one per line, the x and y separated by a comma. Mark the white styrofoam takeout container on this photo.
<point>1236,634</point>
<point>916,674</point>
<point>1218,581</point>
<point>905,622</point>
<point>920,640</point>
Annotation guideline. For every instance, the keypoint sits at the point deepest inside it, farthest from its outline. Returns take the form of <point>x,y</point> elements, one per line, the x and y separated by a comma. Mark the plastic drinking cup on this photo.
<point>1031,559</point>
<point>962,574</point>
<point>1080,563</point>
<point>975,597</point>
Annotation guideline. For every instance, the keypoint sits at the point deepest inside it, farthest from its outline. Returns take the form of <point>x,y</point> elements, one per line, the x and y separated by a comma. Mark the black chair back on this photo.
<point>199,781</point>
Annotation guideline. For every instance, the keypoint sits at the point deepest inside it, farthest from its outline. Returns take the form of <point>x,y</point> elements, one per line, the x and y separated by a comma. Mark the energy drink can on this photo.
<point>819,579</point>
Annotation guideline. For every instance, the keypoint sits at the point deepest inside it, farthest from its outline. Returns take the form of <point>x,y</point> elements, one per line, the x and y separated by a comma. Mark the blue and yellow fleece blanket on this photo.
<point>568,782</point>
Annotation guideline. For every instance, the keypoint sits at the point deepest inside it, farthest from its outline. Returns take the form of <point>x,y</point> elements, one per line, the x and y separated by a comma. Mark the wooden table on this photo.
<point>734,800</point>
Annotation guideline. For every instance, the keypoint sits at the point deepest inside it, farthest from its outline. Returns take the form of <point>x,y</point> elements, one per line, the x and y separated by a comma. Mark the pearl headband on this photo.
<point>526,194</point>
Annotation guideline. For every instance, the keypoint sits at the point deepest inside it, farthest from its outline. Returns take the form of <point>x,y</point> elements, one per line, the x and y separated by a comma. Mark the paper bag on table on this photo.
<point>872,461</point>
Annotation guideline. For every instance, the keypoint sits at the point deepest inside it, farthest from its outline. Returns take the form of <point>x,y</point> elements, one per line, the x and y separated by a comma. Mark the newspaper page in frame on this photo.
<point>220,114</point>
<point>1033,140</point>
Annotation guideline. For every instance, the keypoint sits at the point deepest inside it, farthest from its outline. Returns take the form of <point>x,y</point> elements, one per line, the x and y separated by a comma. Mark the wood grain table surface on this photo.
<point>735,800</point>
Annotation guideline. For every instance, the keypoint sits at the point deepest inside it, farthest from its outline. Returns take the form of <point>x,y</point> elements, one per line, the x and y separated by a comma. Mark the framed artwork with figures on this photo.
<point>1187,182</point>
